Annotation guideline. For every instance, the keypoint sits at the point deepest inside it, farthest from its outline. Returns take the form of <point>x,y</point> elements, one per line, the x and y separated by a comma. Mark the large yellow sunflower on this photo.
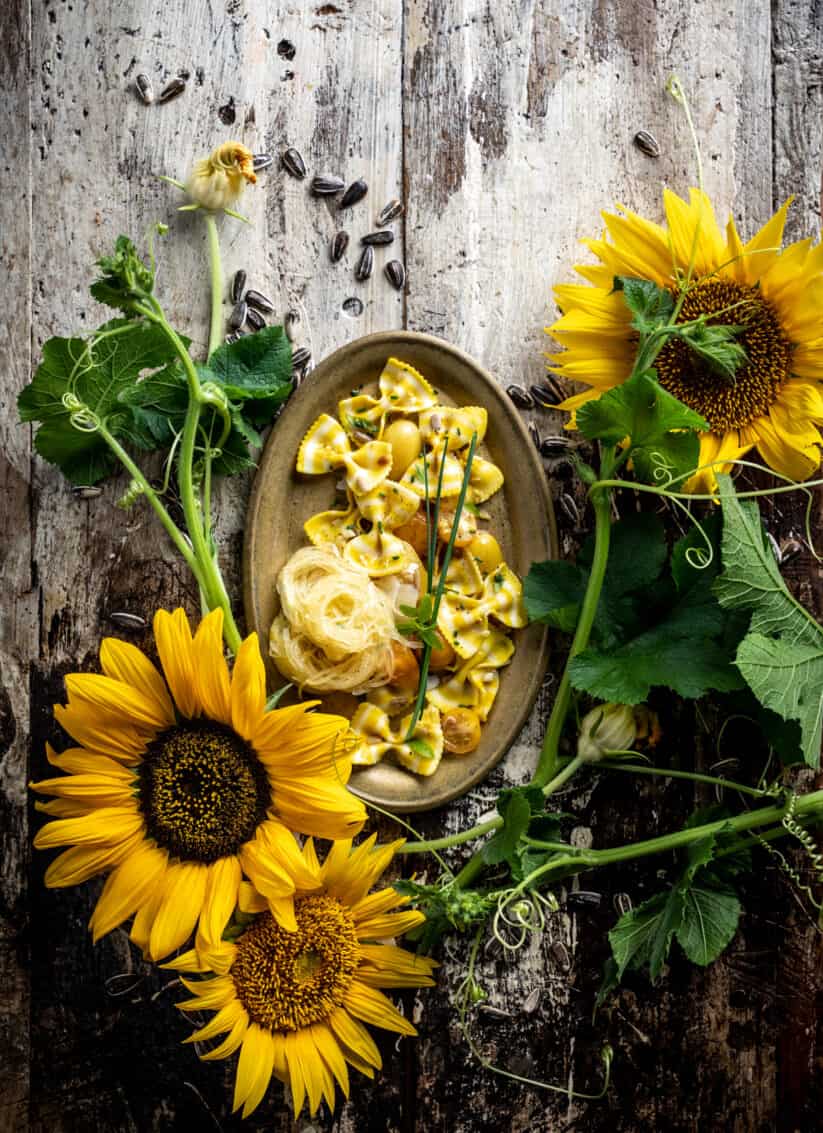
<point>182,785</point>
<point>295,1002</point>
<point>774,402</point>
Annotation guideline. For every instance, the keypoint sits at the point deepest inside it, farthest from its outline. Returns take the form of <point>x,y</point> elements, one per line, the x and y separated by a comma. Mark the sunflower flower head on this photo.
<point>217,181</point>
<point>182,783</point>
<point>295,1002</point>
<point>772,296</point>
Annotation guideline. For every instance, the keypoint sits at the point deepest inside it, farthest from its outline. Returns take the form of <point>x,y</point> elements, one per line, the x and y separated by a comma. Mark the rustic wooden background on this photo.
<point>505,126</point>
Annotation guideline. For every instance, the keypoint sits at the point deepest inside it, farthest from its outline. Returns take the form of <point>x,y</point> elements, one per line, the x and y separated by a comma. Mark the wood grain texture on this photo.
<point>506,127</point>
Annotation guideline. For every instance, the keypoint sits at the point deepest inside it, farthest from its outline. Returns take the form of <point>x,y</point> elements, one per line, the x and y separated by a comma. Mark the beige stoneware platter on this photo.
<point>521,518</point>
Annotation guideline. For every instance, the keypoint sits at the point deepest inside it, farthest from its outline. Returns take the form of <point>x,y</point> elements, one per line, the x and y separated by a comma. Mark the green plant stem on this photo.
<point>547,764</point>
<point>563,776</point>
<point>216,273</point>
<point>452,839</point>
<point>669,773</point>
<point>209,578</point>
<point>173,531</point>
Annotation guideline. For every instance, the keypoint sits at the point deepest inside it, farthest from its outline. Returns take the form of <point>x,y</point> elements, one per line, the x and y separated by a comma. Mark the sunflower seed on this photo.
<point>365,264</point>
<point>520,396</point>
<point>86,492</point>
<point>495,1012</point>
<point>583,898</point>
<point>172,90</point>
<point>233,337</point>
<point>382,237</point>
<point>790,549</point>
<point>238,315</point>
<point>545,397</point>
<point>144,89</point>
<point>300,358</point>
<point>647,143</point>
<point>355,192</point>
<point>352,307</point>
<point>622,904</point>
<point>388,213</point>
<point>532,1001</point>
<point>293,163</point>
<point>238,285</point>
<point>551,447</point>
<point>338,246</point>
<point>569,507</point>
<point>775,546</point>
<point>326,186</point>
<point>290,324</point>
<point>126,620</point>
<point>260,301</point>
<point>261,161</point>
<point>255,319</point>
<point>535,436</point>
<point>286,49</point>
<point>121,983</point>
<point>395,274</point>
<point>561,955</point>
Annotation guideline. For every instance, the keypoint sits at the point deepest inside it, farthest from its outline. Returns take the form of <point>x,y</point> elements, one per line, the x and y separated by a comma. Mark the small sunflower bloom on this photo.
<point>217,181</point>
<point>182,783</point>
<point>295,1003</point>
<point>774,402</point>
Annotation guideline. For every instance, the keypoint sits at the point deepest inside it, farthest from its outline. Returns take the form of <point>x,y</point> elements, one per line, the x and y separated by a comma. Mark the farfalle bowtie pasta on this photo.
<point>400,458</point>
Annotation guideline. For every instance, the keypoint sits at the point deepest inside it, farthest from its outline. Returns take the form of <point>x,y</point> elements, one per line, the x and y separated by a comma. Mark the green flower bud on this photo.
<point>608,727</point>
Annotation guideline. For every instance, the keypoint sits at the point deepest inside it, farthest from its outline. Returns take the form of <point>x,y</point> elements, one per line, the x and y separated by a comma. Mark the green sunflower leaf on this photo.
<point>660,430</point>
<point>651,306</point>
<point>781,656</point>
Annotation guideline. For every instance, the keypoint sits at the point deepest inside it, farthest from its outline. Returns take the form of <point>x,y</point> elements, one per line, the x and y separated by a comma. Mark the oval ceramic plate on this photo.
<point>521,518</point>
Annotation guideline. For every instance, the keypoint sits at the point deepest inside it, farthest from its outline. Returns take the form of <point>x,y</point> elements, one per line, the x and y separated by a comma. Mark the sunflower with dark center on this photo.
<point>773,295</point>
<point>295,1003</point>
<point>183,783</point>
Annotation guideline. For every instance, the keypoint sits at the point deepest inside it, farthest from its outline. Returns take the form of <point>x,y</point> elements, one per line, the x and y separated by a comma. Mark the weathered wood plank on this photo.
<point>18,611</point>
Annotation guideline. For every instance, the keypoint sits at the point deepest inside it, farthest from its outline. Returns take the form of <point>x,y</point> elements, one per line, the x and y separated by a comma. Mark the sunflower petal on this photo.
<point>127,888</point>
<point>222,887</point>
<point>108,824</point>
<point>355,1036</point>
<point>296,1079</point>
<point>184,890</point>
<point>230,1043</point>
<point>370,1005</point>
<point>125,662</point>
<point>172,635</point>
<point>386,965</point>
<point>104,694</point>
<point>211,674</point>
<point>253,1069</point>
<point>321,807</point>
<point>82,862</point>
<point>330,1051</point>
<point>223,1021</point>
<point>248,688</point>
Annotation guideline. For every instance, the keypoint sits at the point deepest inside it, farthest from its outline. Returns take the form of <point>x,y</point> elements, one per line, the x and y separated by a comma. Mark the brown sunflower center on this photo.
<point>728,403</point>
<point>288,980</point>
<point>203,791</point>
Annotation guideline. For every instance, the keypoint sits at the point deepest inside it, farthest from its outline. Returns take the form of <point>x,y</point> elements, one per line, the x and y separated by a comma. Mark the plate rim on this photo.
<point>269,456</point>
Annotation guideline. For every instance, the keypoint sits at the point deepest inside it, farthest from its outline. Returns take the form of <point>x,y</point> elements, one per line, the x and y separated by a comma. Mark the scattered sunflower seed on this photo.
<point>338,246</point>
<point>520,397</point>
<point>495,1012</point>
<point>323,186</point>
<point>622,904</point>
<point>535,436</point>
<point>293,163</point>
<point>584,898</point>
<point>172,90</point>
<point>86,492</point>
<point>260,301</point>
<point>551,447</point>
<point>355,192</point>
<point>238,285</point>
<point>532,1001</point>
<point>775,546</point>
<point>365,264</point>
<point>255,319</point>
<point>647,143</point>
<point>352,307</point>
<point>238,315</point>
<point>300,358</point>
<point>561,955</point>
<point>389,212</point>
<point>144,89</point>
<point>790,549</point>
<point>127,621</point>
<point>569,507</point>
<point>290,324</point>
<point>544,396</point>
<point>261,161</point>
<point>382,237</point>
<point>233,337</point>
<point>286,49</point>
<point>395,274</point>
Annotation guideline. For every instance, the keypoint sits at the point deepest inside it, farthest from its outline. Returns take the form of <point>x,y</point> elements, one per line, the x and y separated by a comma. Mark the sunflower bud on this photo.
<point>217,181</point>
<point>609,727</point>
